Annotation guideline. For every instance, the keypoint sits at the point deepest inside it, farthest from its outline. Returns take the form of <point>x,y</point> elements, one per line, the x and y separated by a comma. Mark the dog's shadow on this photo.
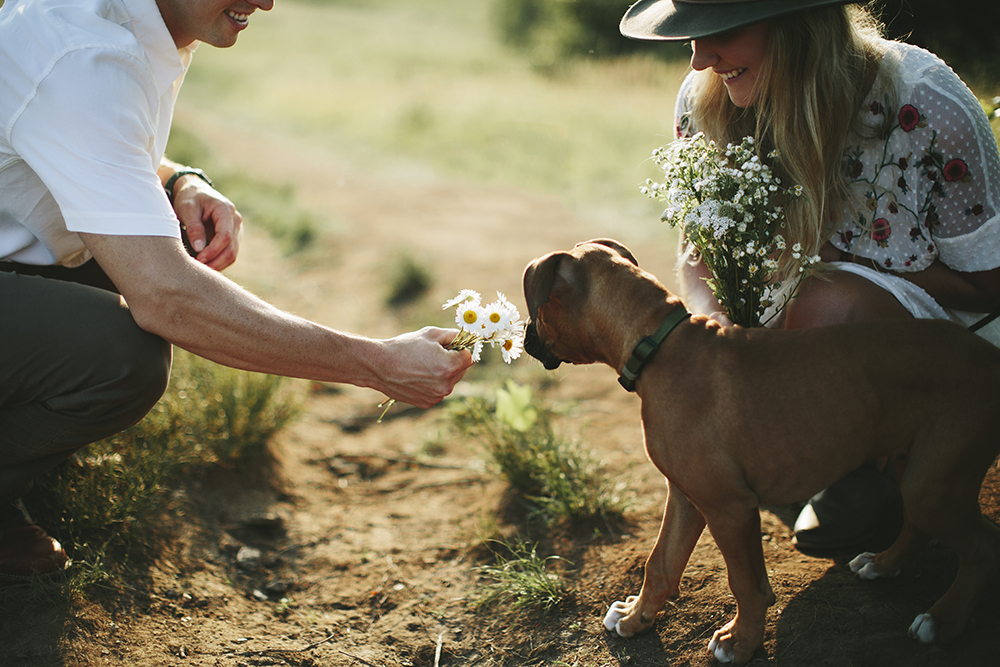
<point>839,619</point>
<point>646,648</point>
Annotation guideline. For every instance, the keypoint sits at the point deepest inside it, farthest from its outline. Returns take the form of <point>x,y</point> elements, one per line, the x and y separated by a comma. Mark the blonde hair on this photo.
<point>814,78</point>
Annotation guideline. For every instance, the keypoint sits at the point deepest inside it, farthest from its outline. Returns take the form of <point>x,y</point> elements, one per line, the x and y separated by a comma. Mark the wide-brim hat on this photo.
<point>679,20</point>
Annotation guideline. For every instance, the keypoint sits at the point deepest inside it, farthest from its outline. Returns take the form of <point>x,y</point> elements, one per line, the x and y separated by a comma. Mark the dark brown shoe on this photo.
<point>26,550</point>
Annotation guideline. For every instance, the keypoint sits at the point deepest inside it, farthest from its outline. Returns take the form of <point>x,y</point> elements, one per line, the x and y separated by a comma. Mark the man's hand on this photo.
<point>214,226</point>
<point>419,370</point>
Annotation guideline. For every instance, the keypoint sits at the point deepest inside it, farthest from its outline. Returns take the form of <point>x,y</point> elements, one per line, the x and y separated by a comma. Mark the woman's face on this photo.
<point>735,56</point>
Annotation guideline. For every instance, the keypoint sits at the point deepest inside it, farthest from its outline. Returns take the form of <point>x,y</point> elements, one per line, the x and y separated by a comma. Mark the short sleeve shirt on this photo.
<point>924,169</point>
<point>87,92</point>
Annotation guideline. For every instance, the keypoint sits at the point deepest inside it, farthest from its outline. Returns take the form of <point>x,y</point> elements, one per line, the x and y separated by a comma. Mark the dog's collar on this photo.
<point>645,348</point>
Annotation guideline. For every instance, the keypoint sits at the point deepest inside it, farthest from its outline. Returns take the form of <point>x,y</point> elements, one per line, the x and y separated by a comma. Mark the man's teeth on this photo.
<point>239,18</point>
<point>734,73</point>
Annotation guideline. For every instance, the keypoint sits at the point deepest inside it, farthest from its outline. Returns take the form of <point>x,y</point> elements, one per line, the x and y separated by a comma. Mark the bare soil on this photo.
<point>368,552</point>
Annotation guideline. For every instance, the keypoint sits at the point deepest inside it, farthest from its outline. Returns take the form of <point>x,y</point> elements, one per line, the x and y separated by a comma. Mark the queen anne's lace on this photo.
<point>728,203</point>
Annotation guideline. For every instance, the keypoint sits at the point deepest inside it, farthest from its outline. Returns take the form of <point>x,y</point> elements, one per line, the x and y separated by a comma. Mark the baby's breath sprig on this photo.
<point>497,323</point>
<point>731,206</point>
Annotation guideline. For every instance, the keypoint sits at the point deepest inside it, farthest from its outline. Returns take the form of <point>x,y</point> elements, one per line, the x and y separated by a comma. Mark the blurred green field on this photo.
<point>427,81</point>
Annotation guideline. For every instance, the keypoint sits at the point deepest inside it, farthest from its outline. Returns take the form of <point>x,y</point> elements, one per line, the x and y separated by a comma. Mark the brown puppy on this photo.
<point>735,418</point>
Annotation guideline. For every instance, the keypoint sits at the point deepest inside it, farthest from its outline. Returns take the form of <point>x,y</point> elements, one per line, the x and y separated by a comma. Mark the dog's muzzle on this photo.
<point>534,346</point>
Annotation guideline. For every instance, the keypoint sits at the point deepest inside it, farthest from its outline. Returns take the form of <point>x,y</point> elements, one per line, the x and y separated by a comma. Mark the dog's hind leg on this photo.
<point>736,529</point>
<point>679,532</point>
<point>944,502</point>
<point>978,549</point>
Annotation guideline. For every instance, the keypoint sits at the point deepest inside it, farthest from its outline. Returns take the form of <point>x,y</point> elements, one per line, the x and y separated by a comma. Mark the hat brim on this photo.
<point>666,20</point>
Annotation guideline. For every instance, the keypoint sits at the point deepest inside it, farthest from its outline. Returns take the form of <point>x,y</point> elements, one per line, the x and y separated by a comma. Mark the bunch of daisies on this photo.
<point>497,323</point>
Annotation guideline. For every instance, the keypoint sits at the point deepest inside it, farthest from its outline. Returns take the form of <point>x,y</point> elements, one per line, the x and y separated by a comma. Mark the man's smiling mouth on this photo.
<point>239,18</point>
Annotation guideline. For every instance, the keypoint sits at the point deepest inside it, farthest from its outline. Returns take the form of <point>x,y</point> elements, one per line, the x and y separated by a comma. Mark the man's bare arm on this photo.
<point>198,309</point>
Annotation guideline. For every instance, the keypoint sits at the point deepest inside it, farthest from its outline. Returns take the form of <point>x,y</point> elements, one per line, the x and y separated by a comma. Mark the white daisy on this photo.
<point>512,347</point>
<point>469,316</point>
<point>464,295</point>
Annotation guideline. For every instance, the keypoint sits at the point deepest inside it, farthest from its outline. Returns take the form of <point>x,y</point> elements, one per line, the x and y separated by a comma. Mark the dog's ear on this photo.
<point>554,275</point>
<point>617,247</point>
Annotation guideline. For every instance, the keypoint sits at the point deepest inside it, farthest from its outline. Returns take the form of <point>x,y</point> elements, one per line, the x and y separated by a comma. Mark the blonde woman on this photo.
<point>899,166</point>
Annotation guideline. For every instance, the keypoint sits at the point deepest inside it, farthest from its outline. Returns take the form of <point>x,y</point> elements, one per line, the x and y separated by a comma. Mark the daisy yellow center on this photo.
<point>469,316</point>
<point>494,317</point>
<point>508,344</point>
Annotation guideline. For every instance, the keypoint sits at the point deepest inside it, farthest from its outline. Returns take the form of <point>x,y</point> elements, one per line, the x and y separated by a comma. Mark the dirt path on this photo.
<point>367,556</point>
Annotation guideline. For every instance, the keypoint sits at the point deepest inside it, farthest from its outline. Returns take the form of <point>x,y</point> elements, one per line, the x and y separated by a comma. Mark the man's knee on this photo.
<point>120,372</point>
<point>146,367</point>
<point>137,374</point>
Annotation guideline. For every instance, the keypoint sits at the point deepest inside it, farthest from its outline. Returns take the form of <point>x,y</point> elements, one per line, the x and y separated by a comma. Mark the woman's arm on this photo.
<point>976,291</point>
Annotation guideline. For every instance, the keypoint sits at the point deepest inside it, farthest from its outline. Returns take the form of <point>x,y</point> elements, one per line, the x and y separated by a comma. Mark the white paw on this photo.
<point>923,629</point>
<point>863,565</point>
<point>721,653</point>
<point>616,613</point>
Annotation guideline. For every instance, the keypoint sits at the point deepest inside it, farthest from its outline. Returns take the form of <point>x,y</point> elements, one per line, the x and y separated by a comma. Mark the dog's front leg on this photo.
<point>682,526</point>
<point>736,530</point>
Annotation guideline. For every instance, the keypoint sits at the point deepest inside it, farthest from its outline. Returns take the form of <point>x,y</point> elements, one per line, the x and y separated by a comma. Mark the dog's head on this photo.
<point>557,288</point>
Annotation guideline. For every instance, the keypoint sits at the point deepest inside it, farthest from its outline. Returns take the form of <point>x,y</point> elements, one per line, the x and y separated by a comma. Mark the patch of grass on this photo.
<point>408,280</point>
<point>105,502</point>
<point>556,477</point>
<point>521,581</point>
<point>232,414</point>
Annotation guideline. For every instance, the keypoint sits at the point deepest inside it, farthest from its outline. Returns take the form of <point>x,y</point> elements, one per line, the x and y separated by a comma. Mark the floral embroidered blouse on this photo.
<point>925,169</point>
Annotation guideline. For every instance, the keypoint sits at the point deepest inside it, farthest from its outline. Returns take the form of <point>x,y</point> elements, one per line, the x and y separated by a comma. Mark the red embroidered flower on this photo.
<point>875,108</point>
<point>977,209</point>
<point>909,117</point>
<point>856,168</point>
<point>881,230</point>
<point>955,170</point>
<point>903,163</point>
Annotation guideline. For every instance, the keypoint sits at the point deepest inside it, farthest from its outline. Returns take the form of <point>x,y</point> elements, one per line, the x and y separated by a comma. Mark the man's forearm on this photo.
<point>200,310</point>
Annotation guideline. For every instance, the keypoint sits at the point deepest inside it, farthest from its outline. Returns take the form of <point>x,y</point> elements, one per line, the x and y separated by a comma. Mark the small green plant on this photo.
<point>555,476</point>
<point>408,281</point>
<point>521,581</point>
<point>231,414</point>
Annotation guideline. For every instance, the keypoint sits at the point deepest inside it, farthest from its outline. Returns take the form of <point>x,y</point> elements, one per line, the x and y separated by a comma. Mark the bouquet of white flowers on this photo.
<point>730,206</point>
<point>498,323</point>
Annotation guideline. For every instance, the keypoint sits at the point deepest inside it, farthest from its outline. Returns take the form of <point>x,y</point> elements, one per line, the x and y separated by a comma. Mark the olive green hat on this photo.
<point>680,20</point>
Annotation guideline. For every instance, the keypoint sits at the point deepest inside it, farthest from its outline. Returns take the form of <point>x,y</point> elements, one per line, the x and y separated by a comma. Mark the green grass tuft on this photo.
<point>409,280</point>
<point>556,477</point>
<point>521,582</point>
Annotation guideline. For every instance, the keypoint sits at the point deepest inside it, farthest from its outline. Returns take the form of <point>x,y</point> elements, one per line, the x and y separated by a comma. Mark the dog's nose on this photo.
<point>534,346</point>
